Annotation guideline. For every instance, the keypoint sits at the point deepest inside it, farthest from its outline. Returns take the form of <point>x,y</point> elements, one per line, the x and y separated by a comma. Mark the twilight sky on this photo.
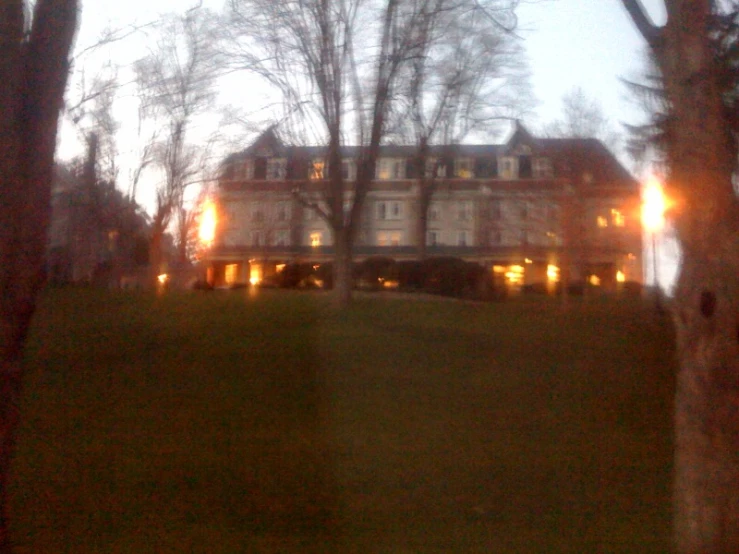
<point>570,43</point>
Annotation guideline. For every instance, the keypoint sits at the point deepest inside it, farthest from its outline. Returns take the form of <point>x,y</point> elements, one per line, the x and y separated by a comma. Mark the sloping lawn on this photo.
<point>230,422</point>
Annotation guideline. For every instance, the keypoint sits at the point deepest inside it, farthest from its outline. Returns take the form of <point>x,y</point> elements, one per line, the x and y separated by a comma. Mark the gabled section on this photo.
<point>266,145</point>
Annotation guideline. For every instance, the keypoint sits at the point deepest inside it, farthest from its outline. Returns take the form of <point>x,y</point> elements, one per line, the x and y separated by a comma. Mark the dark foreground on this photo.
<point>229,423</point>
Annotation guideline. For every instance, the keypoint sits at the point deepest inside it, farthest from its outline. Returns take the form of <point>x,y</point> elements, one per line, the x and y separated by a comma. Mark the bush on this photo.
<point>373,271</point>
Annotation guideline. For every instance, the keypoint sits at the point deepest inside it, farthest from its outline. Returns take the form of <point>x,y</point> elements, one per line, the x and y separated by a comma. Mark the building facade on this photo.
<point>526,209</point>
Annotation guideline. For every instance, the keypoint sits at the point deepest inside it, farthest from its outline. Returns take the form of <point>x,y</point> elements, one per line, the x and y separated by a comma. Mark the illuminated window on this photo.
<point>602,222</point>
<point>618,218</point>
<point>316,172</point>
<point>276,168</point>
<point>620,277</point>
<point>388,238</point>
<point>231,274</point>
<point>390,168</point>
<point>255,274</point>
<point>515,275</point>
<point>498,269</point>
<point>316,238</point>
<point>463,168</point>
<point>552,273</point>
<point>594,280</point>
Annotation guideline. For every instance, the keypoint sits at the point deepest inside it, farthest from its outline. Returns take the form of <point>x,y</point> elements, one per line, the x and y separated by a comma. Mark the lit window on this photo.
<point>463,168</point>
<point>390,168</point>
<point>316,238</point>
<point>316,173</point>
<point>594,280</point>
<point>618,218</point>
<point>552,273</point>
<point>515,275</point>
<point>620,277</point>
<point>231,273</point>
<point>255,274</point>
<point>388,238</point>
<point>602,222</point>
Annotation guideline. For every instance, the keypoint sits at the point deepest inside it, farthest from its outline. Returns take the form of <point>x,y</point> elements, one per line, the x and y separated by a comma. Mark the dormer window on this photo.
<point>435,168</point>
<point>543,168</point>
<point>244,169</point>
<point>276,169</point>
<point>508,169</point>
<point>348,170</point>
<point>463,168</point>
<point>317,170</point>
<point>390,168</point>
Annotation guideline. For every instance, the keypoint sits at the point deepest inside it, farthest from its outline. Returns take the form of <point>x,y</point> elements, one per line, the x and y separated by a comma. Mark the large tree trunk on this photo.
<point>701,159</point>
<point>33,72</point>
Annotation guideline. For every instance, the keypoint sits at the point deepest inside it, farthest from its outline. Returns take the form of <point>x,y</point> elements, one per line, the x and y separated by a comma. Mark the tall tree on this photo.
<point>466,75</point>
<point>33,71</point>
<point>336,64</point>
<point>175,82</point>
<point>701,160</point>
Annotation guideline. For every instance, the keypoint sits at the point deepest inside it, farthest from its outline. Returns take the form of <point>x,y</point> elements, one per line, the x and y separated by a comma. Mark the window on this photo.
<point>542,168</point>
<point>390,168</point>
<point>316,172</point>
<point>434,168</point>
<point>231,273</point>
<point>244,169</point>
<point>464,210</point>
<point>282,211</point>
<point>507,168</point>
<point>309,214</point>
<point>618,218</point>
<point>388,238</point>
<point>348,170</point>
<point>281,237</point>
<point>381,210</point>
<point>434,213</point>
<point>462,238</point>
<point>256,238</point>
<point>257,213</point>
<point>433,238</point>
<point>315,238</point>
<point>495,238</point>
<point>524,167</point>
<point>463,168</point>
<point>276,169</point>
<point>602,222</point>
<point>389,210</point>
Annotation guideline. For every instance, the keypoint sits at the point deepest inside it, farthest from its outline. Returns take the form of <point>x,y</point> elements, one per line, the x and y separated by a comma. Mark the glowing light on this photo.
<point>529,261</point>
<point>620,277</point>
<point>255,274</point>
<point>315,239</point>
<point>207,228</point>
<point>515,274</point>
<point>279,268</point>
<point>602,222</point>
<point>553,273</point>
<point>231,274</point>
<point>619,220</point>
<point>163,278</point>
<point>653,206</point>
<point>594,280</point>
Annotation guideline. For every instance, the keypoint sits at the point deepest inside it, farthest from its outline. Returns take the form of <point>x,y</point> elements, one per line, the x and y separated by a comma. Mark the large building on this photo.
<point>523,209</point>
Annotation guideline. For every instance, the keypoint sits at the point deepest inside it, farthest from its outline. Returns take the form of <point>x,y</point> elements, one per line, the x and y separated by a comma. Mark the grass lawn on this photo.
<point>230,422</point>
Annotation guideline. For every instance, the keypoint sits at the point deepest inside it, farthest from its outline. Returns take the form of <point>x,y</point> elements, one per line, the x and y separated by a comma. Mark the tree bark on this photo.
<point>701,159</point>
<point>343,283</point>
<point>33,70</point>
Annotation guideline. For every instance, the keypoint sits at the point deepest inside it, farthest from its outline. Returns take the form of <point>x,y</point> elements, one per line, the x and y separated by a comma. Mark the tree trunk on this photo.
<point>33,70</point>
<point>343,283</point>
<point>701,159</point>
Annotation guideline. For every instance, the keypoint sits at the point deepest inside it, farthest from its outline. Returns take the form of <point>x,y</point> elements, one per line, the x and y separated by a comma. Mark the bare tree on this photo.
<point>582,117</point>
<point>175,82</point>
<point>33,71</point>
<point>466,75</point>
<point>701,160</point>
<point>336,65</point>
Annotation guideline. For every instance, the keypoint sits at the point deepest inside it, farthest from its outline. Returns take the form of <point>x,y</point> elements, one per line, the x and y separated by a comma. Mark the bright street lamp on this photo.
<point>653,219</point>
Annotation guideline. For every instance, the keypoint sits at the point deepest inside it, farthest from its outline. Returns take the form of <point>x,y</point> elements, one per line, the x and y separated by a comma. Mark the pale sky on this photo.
<point>589,44</point>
